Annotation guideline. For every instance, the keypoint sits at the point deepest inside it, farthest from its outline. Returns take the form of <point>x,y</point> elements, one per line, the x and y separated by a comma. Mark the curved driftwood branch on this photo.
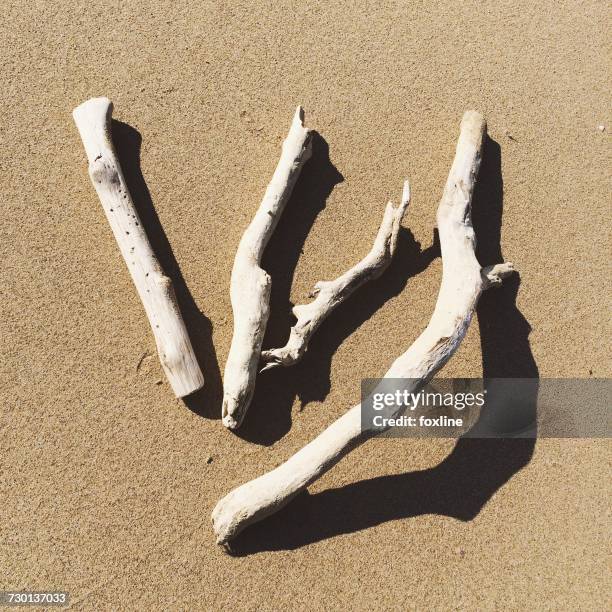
<point>155,289</point>
<point>330,294</point>
<point>462,283</point>
<point>250,285</point>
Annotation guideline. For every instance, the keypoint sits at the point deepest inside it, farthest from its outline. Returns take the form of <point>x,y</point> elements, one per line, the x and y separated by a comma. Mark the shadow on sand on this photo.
<point>207,401</point>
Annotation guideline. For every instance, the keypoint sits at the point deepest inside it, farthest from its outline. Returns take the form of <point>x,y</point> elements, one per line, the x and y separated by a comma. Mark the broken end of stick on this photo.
<point>245,505</point>
<point>227,416</point>
<point>92,119</point>
<point>494,275</point>
<point>300,132</point>
<point>187,378</point>
<point>233,411</point>
<point>230,422</point>
<point>222,528</point>
<point>93,108</point>
<point>473,121</point>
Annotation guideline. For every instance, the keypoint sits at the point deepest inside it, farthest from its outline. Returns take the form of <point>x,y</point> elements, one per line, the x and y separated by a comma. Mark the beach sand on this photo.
<point>107,481</point>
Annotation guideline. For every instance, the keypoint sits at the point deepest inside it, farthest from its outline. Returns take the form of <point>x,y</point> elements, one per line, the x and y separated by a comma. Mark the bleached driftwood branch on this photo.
<point>250,284</point>
<point>155,289</point>
<point>463,281</point>
<point>330,294</point>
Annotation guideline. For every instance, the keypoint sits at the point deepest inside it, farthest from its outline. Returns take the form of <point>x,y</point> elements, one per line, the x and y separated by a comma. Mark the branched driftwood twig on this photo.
<point>330,294</point>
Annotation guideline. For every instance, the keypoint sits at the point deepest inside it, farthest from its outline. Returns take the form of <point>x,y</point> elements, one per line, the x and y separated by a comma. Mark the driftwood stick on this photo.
<point>463,281</point>
<point>155,289</point>
<point>330,294</point>
<point>250,284</point>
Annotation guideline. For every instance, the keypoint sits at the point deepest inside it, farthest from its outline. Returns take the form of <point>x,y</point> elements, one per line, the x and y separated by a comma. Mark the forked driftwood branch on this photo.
<point>330,294</point>
<point>250,284</point>
<point>155,289</point>
<point>463,281</point>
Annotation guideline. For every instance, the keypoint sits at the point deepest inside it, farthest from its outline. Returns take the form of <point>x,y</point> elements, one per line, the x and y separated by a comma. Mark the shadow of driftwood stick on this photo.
<point>205,402</point>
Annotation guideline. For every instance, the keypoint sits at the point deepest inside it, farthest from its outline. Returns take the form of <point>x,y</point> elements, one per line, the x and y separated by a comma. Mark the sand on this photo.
<point>107,482</point>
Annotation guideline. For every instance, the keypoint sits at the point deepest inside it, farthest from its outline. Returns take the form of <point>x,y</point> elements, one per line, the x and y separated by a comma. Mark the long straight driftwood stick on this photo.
<point>463,281</point>
<point>155,289</point>
<point>330,294</point>
<point>250,284</point>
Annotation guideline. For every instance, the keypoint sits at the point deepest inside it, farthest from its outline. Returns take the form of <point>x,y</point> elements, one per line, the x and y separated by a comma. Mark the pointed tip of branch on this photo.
<point>269,366</point>
<point>397,214</point>
<point>392,220</point>
<point>299,115</point>
<point>406,194</point>
<point>301,133</point>
<point>404,201</point>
